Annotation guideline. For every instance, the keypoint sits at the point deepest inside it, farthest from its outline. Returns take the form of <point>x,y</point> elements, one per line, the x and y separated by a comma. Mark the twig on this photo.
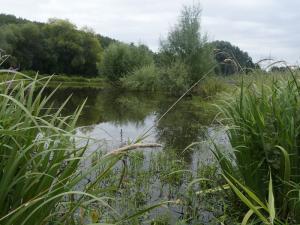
<point>134,146</point>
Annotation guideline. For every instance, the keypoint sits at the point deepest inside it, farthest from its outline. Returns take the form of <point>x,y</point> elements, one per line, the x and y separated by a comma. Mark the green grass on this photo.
<point>42,178</point>
<point>74,81</point>
<point>264,130</point>
<point>42,175</point>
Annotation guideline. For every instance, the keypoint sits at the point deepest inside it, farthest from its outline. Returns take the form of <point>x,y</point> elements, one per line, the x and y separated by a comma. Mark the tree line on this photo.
<point>59,47</point>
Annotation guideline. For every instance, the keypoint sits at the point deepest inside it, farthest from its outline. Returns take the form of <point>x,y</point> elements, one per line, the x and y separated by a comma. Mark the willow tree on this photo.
<point>187,44</point>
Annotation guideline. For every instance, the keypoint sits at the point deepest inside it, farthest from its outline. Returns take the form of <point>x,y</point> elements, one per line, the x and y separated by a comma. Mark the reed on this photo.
<point>41,176</point>
<point>264,121</point>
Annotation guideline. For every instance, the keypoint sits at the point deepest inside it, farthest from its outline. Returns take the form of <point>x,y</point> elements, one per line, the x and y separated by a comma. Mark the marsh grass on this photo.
<point>65,81</point>
<point>264,121</point>
<point>39,158</point>
<point>158,176</point>
<point>42,179</point>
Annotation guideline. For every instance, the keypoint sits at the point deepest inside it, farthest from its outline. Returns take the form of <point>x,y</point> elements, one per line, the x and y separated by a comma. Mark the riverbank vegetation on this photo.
<point>43,176</point>
<point>264,132</point>
<point>50,176</point>
<point>260,111</point>
<point>59,47</point>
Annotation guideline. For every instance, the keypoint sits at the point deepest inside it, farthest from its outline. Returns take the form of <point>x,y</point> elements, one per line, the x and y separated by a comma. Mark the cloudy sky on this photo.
<point>264,28</point>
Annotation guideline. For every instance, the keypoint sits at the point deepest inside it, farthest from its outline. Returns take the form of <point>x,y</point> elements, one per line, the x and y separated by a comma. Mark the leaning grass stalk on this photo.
<point>133,147</point>
<point>175,103</point>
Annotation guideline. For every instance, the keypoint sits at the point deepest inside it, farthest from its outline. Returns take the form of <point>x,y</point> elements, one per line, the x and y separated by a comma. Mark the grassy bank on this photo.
<point>263,119</point>
<point>207,88</point>
<point>71,81</point>
<point>43,177</point>
<point>40,152</point>
<point>56,80</point>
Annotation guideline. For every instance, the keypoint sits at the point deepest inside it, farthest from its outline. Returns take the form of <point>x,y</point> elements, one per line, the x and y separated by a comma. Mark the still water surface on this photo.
<point>114,118</point>
<point>119,117</point>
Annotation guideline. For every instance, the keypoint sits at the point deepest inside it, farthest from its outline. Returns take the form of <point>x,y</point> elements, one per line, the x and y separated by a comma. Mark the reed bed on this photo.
<point>41,177</point>
<point>264,131</point>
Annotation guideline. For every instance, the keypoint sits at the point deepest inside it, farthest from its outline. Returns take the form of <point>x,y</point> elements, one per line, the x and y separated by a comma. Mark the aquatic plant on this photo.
<point>44,178</point>
<point>264,121</point>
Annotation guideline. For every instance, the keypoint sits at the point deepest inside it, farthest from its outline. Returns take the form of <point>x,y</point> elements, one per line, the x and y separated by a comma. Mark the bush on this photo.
<point>145,78</point>
<point>174,78</point>
<point>121,59</point>
<point>211,86</point>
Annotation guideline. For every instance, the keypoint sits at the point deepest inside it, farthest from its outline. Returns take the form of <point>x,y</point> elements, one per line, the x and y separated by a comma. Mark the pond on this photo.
<point>114,118</point>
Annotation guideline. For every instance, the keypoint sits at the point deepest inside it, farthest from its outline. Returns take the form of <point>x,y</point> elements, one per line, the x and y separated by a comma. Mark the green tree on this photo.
<point>120,59</point>
<point>231,59</point>
<point>105,41</point>
<point>8,40</point>
<point>279,69</point>
<point>11,19</point>
<point>186,43</point>
<point>55,47</point>
<point>72,51</point>
<point>23,43</point>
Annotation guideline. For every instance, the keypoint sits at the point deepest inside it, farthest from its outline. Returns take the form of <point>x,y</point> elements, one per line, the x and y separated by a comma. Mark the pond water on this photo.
<point>114,118</point>
<point>121,116</point>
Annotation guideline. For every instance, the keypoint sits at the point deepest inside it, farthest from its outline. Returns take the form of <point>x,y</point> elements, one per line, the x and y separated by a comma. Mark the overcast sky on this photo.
<point>263,28</point>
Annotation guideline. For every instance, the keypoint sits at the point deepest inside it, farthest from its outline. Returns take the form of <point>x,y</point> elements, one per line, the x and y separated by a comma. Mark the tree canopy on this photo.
<point>187,44</point>
<point>120,59</point>
<point>11,19</point>
<point>59,47</point>
<point>54,47</point>
<point>230,58</point>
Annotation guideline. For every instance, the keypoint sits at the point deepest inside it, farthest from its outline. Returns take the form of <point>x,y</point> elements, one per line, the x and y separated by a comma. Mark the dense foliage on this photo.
<point>264,132</point>
<point>120,59</point>
<point>230,58</point>
<point>10,19</point>
<point>55,47</point>
<point>59,47</point>
<point>279,69</point>
<point>105,41</point>
<point>172,79</point>
<point>186,44</point>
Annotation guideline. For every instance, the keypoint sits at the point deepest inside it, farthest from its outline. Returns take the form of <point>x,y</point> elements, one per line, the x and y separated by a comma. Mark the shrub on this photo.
<point>211,86</point>
<point>121,59</point>
<point>145,78</point>
<point>174,78</point>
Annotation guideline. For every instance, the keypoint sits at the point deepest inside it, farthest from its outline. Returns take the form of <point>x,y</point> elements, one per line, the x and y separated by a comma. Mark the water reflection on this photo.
<point>117,117</point>
<point>111,118</point>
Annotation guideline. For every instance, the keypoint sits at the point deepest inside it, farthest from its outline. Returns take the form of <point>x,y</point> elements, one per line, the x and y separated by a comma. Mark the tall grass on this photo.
<point>264,132</point>
<point>41,171</point>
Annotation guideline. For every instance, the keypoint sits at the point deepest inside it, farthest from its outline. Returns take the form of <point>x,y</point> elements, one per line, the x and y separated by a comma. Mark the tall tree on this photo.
<point>186,43</point>
<point>55,47</point>
<point>11,19</point>
<point>231,59</point>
